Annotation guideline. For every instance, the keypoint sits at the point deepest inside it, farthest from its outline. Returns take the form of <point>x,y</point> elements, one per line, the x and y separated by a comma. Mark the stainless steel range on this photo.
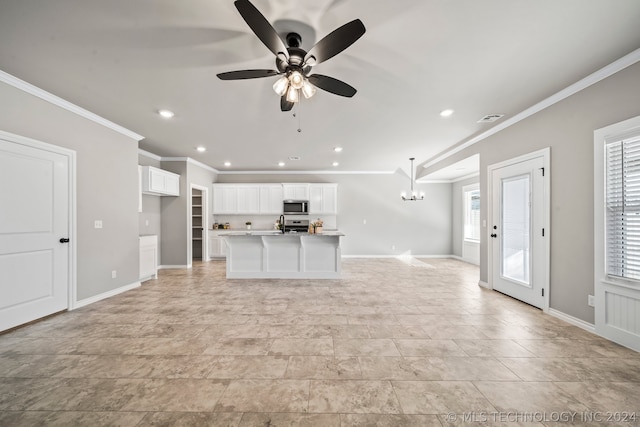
<point>297,225</point>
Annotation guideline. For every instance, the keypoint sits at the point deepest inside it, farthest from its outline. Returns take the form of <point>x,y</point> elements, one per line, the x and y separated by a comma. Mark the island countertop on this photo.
<point>224,233</point>
<point>253,254</point>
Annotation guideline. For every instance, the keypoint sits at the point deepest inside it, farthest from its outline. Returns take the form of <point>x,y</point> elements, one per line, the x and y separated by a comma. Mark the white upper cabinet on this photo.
<point>225,199</point>
<point>248,198</point>
<point>271,196</point>
<point>159,182</point>
<point>266,199</point>
<point>296,191</point>
<point>323,199</point>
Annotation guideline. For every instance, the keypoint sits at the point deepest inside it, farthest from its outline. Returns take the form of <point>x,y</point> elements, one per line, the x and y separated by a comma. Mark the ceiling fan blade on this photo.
<point>335,86</point>
<point>285,105</point>
<point>247,74</point>
<point>336,41</point>
<point>261,27</point>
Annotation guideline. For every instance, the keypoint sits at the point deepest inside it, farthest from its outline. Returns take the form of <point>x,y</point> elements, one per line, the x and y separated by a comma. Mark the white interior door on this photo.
<point>34,217</point>
<point>517,231</point>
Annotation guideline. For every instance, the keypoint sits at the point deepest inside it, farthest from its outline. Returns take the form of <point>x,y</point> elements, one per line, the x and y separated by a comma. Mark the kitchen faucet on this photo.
<point>281,220</point>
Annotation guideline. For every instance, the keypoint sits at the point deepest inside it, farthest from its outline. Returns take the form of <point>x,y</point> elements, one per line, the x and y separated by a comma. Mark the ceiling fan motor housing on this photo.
<point>294,40</point>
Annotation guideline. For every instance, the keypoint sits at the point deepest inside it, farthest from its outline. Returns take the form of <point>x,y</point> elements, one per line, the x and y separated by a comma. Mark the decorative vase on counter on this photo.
<point>318,229</point>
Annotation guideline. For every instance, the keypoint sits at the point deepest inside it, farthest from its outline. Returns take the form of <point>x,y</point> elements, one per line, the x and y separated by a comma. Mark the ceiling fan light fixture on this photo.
<point>296,79</point>
<point>281,85</point>
<point>308,90</point>
<point>293,95</point>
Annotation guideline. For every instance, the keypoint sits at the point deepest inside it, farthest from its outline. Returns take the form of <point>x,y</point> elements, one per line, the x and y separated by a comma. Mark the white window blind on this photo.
<point>472,214</point>
<point>623,208</point>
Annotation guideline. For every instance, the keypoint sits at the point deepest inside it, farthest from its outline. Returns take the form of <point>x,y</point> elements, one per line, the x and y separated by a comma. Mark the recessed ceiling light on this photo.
<point>201,149</point>
<point>337,149</point>
<point>335,163</point>
<point>446,113</point>
<point>166,113</point>
<point>280,164</point>
<point>227,164</point>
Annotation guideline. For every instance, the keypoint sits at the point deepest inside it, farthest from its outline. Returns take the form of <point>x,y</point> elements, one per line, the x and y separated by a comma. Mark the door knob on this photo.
<point>64,240</point>
<point>494,235</point>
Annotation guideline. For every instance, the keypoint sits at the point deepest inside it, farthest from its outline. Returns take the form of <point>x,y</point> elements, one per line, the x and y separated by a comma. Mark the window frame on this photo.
<point>602,138</point>
<point>466,214</point>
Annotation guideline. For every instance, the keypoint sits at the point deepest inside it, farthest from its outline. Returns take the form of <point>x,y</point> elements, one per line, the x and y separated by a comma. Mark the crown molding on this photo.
<point>189,160</point>
<point>289,172</point>
<point>59,102</point>
<point>149,155</point>
<point>590,80</point>
<point>447,181</point>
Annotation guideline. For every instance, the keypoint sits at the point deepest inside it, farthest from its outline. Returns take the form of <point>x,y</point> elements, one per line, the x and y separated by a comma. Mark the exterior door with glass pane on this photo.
<point>516,231</point>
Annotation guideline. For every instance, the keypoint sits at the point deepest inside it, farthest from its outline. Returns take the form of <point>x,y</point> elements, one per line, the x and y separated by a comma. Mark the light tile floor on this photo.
<point>391,344</point>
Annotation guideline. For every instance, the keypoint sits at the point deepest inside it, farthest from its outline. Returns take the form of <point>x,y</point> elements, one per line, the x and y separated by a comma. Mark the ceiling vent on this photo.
<point>294,158</point>
<point>489,118</point>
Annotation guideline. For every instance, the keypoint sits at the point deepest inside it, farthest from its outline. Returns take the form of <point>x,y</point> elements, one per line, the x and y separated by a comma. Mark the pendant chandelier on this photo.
<point>413,195</point>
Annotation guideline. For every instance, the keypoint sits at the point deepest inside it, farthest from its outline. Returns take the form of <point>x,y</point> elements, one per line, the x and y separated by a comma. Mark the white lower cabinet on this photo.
<point>148,257</point>
<point>217,245</point>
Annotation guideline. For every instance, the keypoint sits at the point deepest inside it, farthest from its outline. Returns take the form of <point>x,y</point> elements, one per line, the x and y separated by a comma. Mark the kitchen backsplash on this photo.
<point>266,222</point>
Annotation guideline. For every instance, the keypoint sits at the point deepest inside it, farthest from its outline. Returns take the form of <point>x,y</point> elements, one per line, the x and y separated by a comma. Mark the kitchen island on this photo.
<point>274,255</point>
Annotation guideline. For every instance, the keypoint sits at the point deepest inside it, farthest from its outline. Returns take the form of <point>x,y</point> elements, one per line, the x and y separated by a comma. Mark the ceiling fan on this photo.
<point>292,62</point>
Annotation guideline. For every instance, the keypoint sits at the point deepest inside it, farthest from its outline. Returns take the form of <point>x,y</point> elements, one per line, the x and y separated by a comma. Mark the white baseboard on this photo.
<point>573,320</point>
<point>484,285</point>
<point>167,267</point>
<point>105,295</point>
<point>399,256</point>
<point>468,261</point>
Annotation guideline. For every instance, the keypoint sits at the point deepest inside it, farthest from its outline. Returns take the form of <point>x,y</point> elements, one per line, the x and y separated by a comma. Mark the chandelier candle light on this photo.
<point>414,196</point>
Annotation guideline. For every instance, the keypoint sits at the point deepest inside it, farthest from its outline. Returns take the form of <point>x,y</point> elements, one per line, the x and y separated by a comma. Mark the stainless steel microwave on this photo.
<point>295,207</point>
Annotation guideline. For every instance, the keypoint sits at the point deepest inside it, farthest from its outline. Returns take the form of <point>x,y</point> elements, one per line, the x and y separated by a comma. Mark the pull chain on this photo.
<point>295,115</point>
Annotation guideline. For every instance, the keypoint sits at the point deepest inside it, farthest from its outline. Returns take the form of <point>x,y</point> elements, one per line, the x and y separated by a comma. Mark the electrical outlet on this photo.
<point>114,274</point>
<point>591,301</point>
<point>146,222</point>
<point>97,223</point>
<point>393,247</point>
<point>364,221</point>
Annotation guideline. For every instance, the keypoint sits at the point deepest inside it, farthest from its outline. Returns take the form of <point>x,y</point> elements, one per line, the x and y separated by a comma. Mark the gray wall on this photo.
<point>107,174</point>
<point>173,243</point>
<point>567,127</point>
<point>176,218</point>
<point>457,217</point>
<point>421,228</point>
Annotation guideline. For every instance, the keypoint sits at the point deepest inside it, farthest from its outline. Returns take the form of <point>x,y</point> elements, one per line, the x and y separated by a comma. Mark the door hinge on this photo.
<point>542,169</point>
<point>542,291</point>
<point>543,232</point>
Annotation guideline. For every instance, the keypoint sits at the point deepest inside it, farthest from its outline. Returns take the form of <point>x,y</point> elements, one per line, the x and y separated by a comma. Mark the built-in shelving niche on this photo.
<point>196,224</point>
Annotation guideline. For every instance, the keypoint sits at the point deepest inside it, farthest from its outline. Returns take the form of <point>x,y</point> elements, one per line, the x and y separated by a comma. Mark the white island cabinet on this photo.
<point>283,256</point>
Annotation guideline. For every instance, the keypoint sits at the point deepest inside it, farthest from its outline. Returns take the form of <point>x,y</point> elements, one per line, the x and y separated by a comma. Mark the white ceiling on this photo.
<point>125,59</point>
